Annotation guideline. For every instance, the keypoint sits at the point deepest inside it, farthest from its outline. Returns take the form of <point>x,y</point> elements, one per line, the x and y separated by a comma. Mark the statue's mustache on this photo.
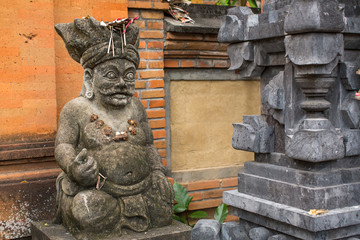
<point>109,92</point>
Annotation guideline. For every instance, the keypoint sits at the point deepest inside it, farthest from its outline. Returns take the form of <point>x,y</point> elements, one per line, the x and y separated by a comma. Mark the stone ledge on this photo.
<point>204,174</point>
<point>334,219</point>
<point>207,19</point>
<point>44,230</point>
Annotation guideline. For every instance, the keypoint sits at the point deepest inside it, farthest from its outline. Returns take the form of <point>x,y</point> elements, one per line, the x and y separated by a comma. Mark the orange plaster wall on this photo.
<point>37,75</point>
<point>27,70</point>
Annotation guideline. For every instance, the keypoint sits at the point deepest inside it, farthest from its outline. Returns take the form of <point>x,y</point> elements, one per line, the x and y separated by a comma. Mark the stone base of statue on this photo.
<point>45,230</point>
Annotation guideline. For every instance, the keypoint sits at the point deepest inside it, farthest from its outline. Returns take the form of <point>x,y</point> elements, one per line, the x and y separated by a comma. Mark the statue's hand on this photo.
<point>85,169</point>
<point>161,182</point>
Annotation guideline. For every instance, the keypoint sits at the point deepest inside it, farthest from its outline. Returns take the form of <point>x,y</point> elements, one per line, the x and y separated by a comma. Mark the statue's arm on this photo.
<point>67,139</point>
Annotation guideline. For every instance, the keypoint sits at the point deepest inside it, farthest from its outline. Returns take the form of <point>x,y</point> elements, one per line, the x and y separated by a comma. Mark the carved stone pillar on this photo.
<point>307,139</point>
<point>313,47</point>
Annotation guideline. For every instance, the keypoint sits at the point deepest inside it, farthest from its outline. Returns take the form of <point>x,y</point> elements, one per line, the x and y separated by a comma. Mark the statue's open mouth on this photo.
<point>115,94</point>
<point>119,95</point>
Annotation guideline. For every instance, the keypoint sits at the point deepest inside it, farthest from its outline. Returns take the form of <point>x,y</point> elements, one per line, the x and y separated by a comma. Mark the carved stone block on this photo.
<point>315,145</point>
<point>253,135</point>
<point>314,16</point>
<point>349,78</point>
<point>350,110</point>
<point>273,97</point>
<point>352,142</point>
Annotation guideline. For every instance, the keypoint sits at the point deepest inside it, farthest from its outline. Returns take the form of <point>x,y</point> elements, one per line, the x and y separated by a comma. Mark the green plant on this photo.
<point>252,3</point>
<point>183,200</point>
<point>221,213</point>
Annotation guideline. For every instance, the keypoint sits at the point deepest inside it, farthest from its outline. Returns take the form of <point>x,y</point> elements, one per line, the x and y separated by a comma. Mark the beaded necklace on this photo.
<point>106,130</point>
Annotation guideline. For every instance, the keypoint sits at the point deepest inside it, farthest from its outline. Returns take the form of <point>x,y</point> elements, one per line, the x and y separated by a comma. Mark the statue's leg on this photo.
<point>95,211</point>
<point>160,210</point>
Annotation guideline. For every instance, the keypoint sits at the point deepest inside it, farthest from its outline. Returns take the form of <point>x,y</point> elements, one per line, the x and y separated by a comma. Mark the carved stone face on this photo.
<point>114,82</point>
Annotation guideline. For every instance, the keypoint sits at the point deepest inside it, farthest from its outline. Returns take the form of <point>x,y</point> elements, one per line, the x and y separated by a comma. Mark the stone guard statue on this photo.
<point>112,178</point>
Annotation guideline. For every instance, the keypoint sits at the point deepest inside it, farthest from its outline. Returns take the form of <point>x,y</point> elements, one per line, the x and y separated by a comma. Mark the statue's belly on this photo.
<point>122,163</point>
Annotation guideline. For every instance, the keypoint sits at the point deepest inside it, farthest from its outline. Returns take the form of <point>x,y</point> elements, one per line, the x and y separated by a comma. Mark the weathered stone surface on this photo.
<point>113,177</point>
<point>273,97</point>
<point>241,55</point>
<point>250,26</point>
<point>315,146</point>
<point>350,110</point>
<point>271,5</point>
<point>319,131</point>
<point>259,233</point>
<point>302,197</point>
<point>352,142</point>
<point>253,135</point>
<point>349,78</point>
<point>280,237</point>
<point>270,53</point>
<point>206,229</point>
<point>334,219</point>
<point>233,231</point>
<point>313,48</point>
<point>233,30</point>
<point>176,231</point>
<point>207,19</point>
<point>314,16</point>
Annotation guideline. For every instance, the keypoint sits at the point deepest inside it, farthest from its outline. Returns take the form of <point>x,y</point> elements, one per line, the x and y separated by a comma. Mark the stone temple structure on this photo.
<point>307,139</point>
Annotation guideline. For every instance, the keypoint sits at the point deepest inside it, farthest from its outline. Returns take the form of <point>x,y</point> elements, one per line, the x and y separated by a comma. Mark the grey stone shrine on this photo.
<point>113,182</point>
<point>307,139</point>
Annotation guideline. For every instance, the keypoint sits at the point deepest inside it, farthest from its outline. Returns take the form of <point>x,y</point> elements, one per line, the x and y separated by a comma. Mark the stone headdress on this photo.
<point>87,41</point>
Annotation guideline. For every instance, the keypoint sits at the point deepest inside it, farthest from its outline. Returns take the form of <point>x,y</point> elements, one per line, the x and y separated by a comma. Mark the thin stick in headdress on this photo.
<point>110,40</point>
<point>122,43</point>
<point>113,47</point>
<point>124,34</point>
<point>120,25</point>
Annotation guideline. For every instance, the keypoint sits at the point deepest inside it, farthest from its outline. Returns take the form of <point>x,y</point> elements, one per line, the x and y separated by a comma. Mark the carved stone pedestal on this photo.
<point>307,139</point>
<point>45,230</point>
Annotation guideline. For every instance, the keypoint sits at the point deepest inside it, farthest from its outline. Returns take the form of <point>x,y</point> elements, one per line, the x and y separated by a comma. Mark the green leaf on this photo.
<point>253,3</point>
<point>188,201</point>
<point>221,213</point>
<point>233,2</point>
<point>221,2</point>
<point>179,209</point>
<point>180,219</point>
<point>198,214</point>
<point>181,195</point>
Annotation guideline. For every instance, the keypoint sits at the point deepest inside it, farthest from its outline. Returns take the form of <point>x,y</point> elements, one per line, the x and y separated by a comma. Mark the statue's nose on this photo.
<point>120,82</point>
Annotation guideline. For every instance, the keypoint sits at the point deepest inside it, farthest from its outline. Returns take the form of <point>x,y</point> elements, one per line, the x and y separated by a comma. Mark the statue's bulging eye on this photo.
<point>111,75</point>
<point>130,76</point>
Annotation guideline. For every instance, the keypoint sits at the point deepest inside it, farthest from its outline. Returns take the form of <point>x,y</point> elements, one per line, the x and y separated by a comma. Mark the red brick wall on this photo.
<point>207,195</point>
<point>185,50</point>
<point>150,75</point>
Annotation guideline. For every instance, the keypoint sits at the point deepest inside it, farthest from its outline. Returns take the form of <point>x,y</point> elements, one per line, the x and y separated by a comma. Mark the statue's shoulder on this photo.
<point>137,103</point>
<point>140,110</point>
<point>75,106</point>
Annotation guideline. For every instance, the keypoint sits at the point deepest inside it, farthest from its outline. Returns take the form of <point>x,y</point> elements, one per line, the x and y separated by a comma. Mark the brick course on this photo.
<point>208,193</point>
<point>195,51</point>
